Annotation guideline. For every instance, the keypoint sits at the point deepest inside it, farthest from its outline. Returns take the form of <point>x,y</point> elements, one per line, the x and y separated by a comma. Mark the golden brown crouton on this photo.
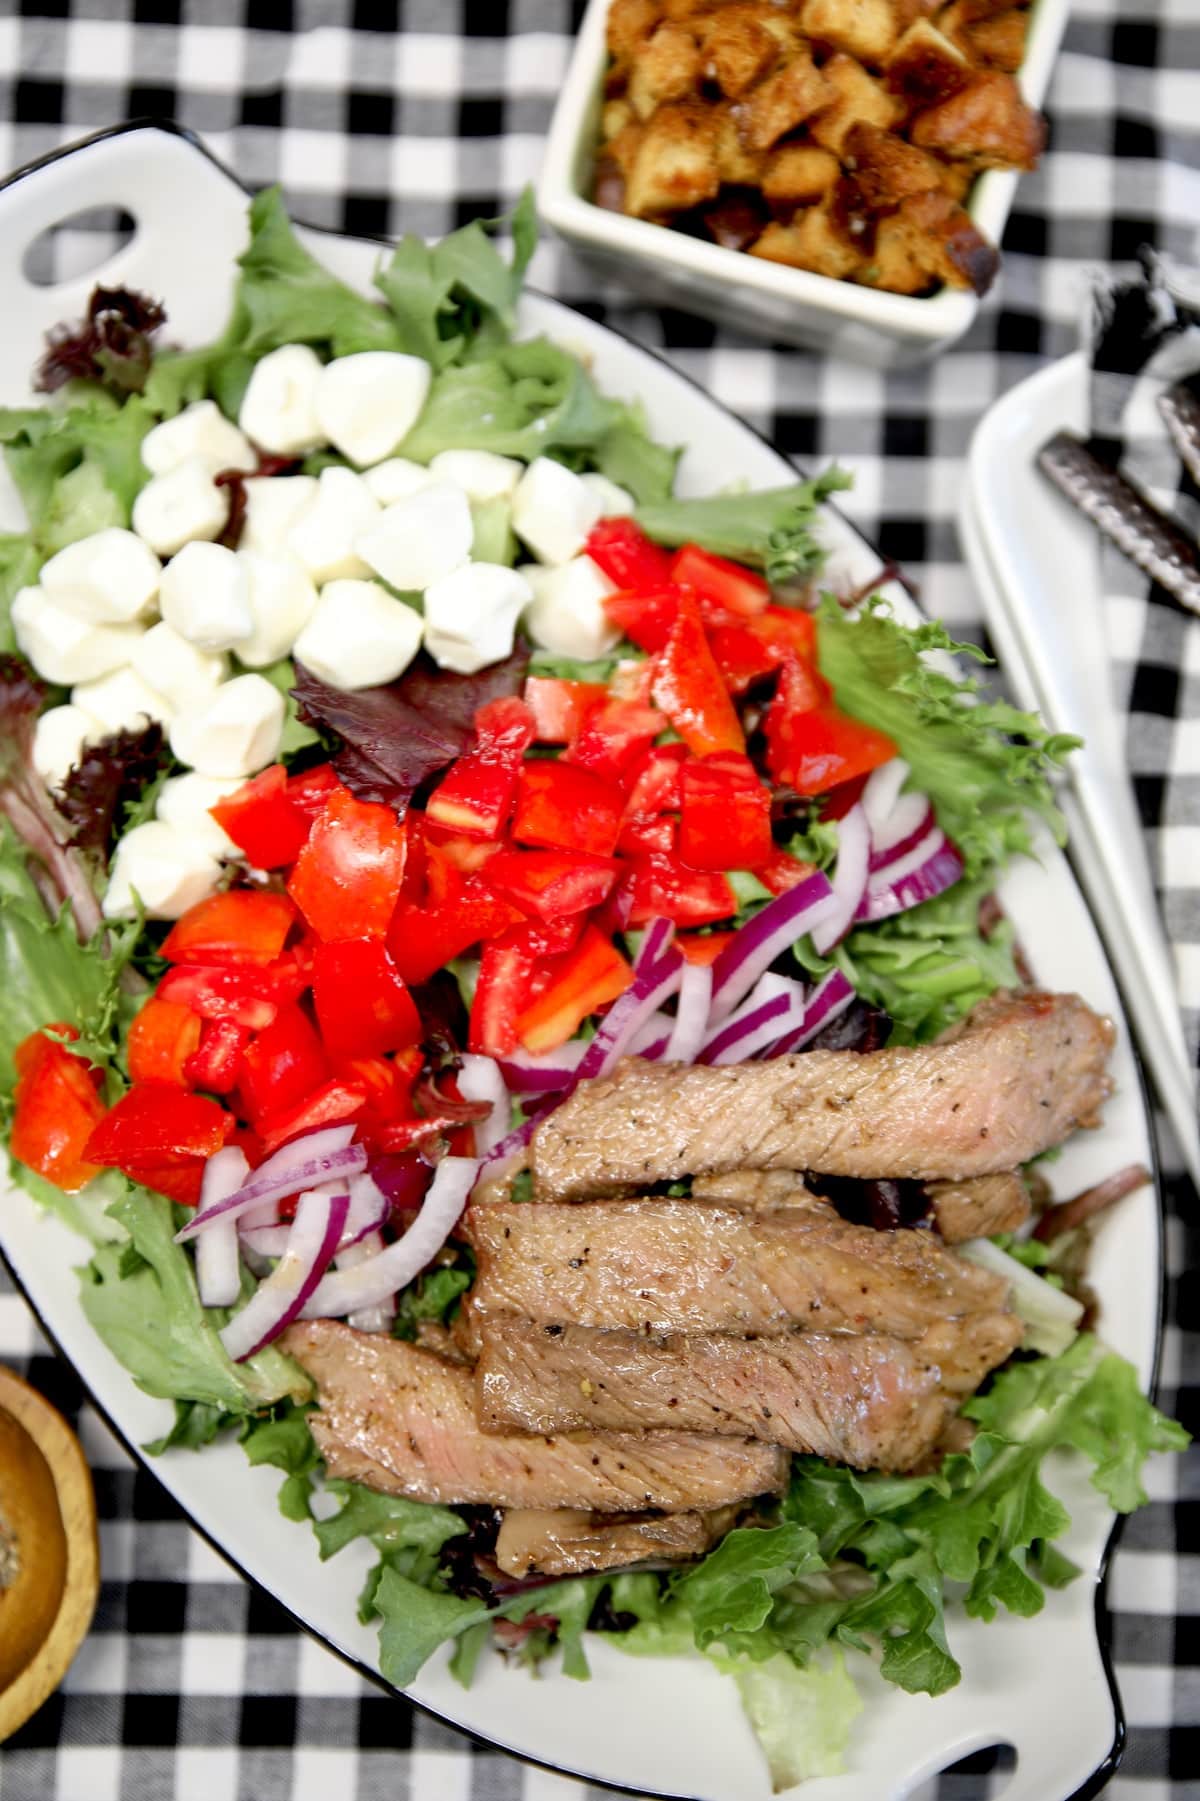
<point>679,10</point>
<point>926,67</point>
<point>930,239</point>
<point>630,23</point>
<point>676,162</point>
<point>857,98</point>
<point>814,240</point>
<point>616,116</point>
<point>666,68</point>
<point>736,163</point>
<point>621,150</point>
<point>957,179</point>
<point>739,48</point>
<point>987,124</point>
<point>799,174</point>
<point>864,28</point>
<point>886,169</point>
<point>1000,41</point>
<point>785,100</point>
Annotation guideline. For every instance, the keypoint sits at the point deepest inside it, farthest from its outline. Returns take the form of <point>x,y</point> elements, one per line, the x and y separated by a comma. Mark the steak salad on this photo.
<point>505,973</point>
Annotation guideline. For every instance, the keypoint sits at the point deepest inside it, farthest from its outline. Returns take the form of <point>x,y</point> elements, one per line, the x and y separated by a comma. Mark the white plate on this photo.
<point>673,1727</point>
<point>1036,562</point>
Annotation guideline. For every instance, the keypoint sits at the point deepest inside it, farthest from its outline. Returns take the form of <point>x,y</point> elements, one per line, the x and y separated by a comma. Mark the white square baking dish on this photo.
<point>767,299</point>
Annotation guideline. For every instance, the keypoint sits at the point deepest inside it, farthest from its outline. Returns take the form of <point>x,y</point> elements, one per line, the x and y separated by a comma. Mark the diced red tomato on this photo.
<point>653,783</point>
<point>239,926</point>
<point>281,1066</point>
<point>786,629</point>
<point>584,979</point>
<point>263,819</point>
<point>641,833</point>
<point>781,872</point>
<point>334,1103</point>
<point>309,790</point>
<point>466,854</point>
<point>163,1036</point>
<point>388,1088</point>
<point>464,911</point>
<point>565,806</point>
<point>731,587</point>
<point>363,1007</point>
<point>725,817</point>
<point>743,656</point>
<point>643,615</point>
<point>57,1110</point>
<point>626,555</point>
<point>247,995</point>
<point>475,797</point>
<point>549,883</point>
<point>614,737</point>
<point>702,947</point>
<point>838,802</point>
<point>216,1064</point>
<point>502,992</point>
<point>659,883</point>
<point>813,747</point>
<point>690,691</point>
<point>154,1127</point>
<point>559,706</point>
<point>346,879</point>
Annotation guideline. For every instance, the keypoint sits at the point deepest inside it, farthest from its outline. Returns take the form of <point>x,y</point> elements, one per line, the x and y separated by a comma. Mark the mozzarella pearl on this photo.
<point>201,430</point>
<point>359,636</point>
<point>205,595</point>
<point>471,614</point>
<point>164,868</point>
<point>279,407</point>
<point>110,576</point>
<point>62,646</point>
<point>59,739</point>
<point>567,615</point>
<point>234,732</point>
<point>325,536</point>
<point>121,702</point>
<point>420,539</point>
<point>282,598</point>
<point>178,670</point>
<point>481,474</point>
<point>368,403</point>
<point>180,507</point>
<point>554,510</point>
<point>274,503</point>
<point>185,802</point>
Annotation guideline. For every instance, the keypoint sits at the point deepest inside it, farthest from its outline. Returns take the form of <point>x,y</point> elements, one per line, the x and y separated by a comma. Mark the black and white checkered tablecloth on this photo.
<point>381,116</point>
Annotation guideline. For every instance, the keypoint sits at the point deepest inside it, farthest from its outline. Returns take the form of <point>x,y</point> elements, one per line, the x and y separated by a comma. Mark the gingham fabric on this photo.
<point>415,115</point>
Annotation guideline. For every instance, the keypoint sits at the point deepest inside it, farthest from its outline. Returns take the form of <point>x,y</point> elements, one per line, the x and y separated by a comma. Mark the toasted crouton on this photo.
<point>799,174</point>
<point>856,99</point>
<point>814,240</point>
<point>1000,41</point>
<point>621,149</point>
<point>957,179</point>
<point>739,48</point>
<point>886,169</point>
<point>675,166</point>
<point>863,28</point>
<point>737,165</point>
<point>930,239</point>
<point>679,10</point>
<point>784,101</point>
<point>925,67</point>
<point>666,68</point>
<point>616,116</point>
<point>630,23</point>
<point>987,124</point>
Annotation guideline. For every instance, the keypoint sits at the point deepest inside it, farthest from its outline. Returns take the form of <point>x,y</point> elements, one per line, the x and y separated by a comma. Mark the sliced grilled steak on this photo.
<point>964,1350</point>
<point>561,1541</point>
<point>869,1402</point>
<point>692,1266</point>
<point>1025,1073</point>
<point>403,1420</point>
<point>980,1207</point>
<point>755,1188</point>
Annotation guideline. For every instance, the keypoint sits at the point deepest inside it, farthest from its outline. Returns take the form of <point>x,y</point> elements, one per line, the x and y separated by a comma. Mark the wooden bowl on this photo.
<point>49,1556</point>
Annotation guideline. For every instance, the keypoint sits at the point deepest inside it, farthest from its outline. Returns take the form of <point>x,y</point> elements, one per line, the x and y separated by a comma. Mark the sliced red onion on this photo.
<point>849,879</point>
<point>656,941</point>
<point>403,1177</point>
<point>755,947</point>
<point>265,1215</point>
<point>374,1280</point>
<point>479,1079</point>
<point>881,791</point>
<point>653,983</point>
<point>367,1319</point>
<point>369,1210</point>
<point>651,1039</point>
<point>543,1075</point>
<point>304,1163</point>
<point>264,1241</point>
<point>922,875</point>
<point>913,817</point>
<point>831,996</point>
<point>218,1259</point>
<point>319,1223</point>
<point>691,1014</point>
<point>776,1007</point>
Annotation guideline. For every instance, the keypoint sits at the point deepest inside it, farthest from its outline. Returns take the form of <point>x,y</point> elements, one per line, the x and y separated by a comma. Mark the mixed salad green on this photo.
<point>845,1560</point>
